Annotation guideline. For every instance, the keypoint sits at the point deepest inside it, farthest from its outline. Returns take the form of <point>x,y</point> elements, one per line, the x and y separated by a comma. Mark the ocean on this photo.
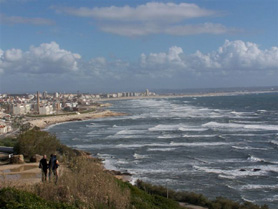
<point>217,146</point>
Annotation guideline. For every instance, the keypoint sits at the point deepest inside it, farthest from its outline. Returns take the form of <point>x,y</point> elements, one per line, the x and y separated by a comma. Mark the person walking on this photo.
<point>55,169</point>
<point>50,165</point>
<point>43,166</point>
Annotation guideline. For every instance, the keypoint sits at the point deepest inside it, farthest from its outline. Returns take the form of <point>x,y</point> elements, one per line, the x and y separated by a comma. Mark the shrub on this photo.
<point>197,199</point>
<point>36,142</point>
<point>11,198</point>
<point>8,142</point>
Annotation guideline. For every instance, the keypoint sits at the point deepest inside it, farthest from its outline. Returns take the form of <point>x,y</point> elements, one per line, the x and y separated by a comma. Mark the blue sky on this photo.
<point>110,46</point>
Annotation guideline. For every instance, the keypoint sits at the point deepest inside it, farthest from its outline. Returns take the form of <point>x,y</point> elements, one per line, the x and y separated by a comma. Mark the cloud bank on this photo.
<point>235,62</point>
<point>231,56</point>
<point>150,18</point>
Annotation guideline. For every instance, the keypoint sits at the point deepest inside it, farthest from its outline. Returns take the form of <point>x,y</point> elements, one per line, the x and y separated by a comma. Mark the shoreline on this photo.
<point>45,122</point>
<point>189,95</point>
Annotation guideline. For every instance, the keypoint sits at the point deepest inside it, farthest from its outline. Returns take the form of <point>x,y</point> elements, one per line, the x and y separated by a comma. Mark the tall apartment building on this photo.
<point>45,109</point>
<point>21,109</point>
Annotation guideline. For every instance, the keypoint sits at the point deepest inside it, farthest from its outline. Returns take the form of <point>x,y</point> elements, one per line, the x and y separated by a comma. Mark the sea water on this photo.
<point>217,146</point>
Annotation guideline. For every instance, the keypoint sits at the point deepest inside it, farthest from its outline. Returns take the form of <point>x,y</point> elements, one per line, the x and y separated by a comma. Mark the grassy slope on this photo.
<point>87,185</point>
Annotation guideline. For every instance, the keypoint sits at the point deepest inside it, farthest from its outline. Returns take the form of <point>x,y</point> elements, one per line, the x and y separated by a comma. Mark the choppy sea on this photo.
<point>218,146</point>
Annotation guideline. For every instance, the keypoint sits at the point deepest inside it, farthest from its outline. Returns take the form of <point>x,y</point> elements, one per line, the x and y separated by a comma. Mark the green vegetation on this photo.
<point>42,116</point>
<point>8,142</point>
<point>87,111</point>
<point>40,142</point>
<point>11,198</point>
<point>143,200</point>
<point>36,142</point>
<point>84,184</point>
<point>62,114</point>
<point>196,199</point>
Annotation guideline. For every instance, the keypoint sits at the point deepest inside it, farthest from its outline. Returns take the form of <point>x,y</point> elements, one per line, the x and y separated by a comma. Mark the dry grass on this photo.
<point>85,185</point>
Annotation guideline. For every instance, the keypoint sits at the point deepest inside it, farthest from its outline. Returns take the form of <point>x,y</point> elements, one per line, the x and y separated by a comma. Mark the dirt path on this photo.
<point>21,174</point>
<point>186,205</point>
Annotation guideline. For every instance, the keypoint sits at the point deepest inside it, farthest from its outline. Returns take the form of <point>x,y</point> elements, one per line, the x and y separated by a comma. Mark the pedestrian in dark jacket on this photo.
<point>43,166</point>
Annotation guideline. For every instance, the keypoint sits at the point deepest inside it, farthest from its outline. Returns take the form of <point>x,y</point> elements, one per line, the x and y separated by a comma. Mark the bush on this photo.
<point>197,199</point>
<point>11,198</point>
<point>143,200</point>
<point>8,142</point>
<point>36,142</point>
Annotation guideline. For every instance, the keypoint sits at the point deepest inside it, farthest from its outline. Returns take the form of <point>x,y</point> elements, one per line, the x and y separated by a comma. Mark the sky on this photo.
<point>130,45</point>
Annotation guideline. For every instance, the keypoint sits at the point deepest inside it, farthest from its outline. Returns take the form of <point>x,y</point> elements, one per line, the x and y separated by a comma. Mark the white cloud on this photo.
<point>233,56</point>
<point>178,30</point>
<point>239,55</point>
<point>46,58</point>
<point>150,18</point>
<point>25,20</point>
<point>152,11</point>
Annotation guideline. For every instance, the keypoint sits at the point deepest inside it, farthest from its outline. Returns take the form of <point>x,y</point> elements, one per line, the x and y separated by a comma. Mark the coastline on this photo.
<point>45,122</point>
<point>189,95</point>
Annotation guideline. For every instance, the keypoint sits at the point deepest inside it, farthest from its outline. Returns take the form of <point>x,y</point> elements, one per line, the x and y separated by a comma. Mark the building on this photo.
<point>45,110</point>
<point>20,109</point>
<point>44,94</point>
<point>56,95</point>
<point>3,129</point>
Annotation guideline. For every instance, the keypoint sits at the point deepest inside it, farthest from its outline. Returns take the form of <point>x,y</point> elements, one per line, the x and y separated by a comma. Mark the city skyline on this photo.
<point>113,46</point>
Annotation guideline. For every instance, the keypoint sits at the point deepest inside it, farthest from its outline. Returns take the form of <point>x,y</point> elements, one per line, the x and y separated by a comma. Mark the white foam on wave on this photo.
<point>130,132</point>
<point>96,125</point>
<point>274,142</point>
<point>233,173</point>
<point>249,148</point>
<point>109,164</point>
<point>233,126</point>
<point>122,162</point>
<point>168,136</point>
<point>76,139</point>
<point>258,187</point>
<point>198,136</point>
<point>255,159</point>
<point>226,177</point>
<point>199,144</point>
<point>138,156</point>
<point>271,199</point>
<point>174,144</point>
<point>130,145</point>
<point>247,200</point>
<point>241,134</point>
<point>161,149</point>
<point>192,129</point>
<point>246,122</point>
<point>176,127</point>
<point>230,161</point>
<point>91,146</point>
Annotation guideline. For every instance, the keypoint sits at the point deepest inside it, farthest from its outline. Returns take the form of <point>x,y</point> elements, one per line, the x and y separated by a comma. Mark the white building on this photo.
<point>21,109</point>
<point>46,110</point>
<point>3,129</point>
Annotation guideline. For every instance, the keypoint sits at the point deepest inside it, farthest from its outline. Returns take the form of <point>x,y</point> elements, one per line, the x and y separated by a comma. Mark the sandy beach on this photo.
<point>44,122</point>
